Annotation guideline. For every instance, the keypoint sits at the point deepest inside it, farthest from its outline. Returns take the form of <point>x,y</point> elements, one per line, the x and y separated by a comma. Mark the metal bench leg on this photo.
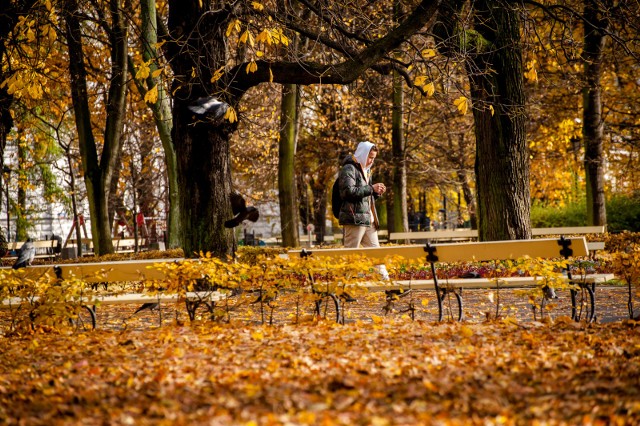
<point>80,320</point>
<point>329,299</point>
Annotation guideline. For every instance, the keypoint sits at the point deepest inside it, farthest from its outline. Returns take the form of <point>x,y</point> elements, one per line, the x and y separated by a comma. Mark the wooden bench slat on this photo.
<point>465,252</point>
<point>472,283</point>
<point>571,230</point>
<point>116,299</point>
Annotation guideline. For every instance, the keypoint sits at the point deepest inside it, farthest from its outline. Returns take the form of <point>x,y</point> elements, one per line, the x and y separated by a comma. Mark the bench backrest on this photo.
<point>573,230</point>
<point>473,233</point>
<point>39,244</point>
<point>466,252</point>
<point>434,235</point>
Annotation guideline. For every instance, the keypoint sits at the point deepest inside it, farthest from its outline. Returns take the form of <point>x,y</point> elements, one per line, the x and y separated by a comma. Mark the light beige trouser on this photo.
<point>367,236</point>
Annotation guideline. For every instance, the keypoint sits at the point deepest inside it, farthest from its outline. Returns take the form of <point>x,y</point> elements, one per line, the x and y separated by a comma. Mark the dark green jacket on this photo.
<point>357,195</point>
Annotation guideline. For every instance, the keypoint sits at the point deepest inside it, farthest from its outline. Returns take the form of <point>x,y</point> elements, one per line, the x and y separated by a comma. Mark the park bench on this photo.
<point>437,254</point>
<point>472,235</point>
<point>115,272</point>
<point>45,249</point>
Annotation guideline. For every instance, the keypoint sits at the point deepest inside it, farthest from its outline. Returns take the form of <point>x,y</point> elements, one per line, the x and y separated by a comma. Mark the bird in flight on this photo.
<point>241,211</point>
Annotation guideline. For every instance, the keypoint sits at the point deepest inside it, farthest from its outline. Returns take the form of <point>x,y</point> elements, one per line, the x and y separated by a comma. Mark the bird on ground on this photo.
<point>148,305</point>
<point>241,211</point>
<point>549,292</point>
<point>26,255</point>
<point>209,105</point>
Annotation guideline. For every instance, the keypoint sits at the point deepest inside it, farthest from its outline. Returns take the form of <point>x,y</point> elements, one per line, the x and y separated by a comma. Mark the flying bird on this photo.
<point>209,105</point>
<point>241,211</point>
<point>26,255</point>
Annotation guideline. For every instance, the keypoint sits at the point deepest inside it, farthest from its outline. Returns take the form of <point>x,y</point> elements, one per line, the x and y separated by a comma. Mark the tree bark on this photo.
<point>400,219</point>
<point>593,123</point>
<point>162,117</point>
<point>98,173</point>
<point>495,72</point>
<point>286,166</point>
<point>502,160</point>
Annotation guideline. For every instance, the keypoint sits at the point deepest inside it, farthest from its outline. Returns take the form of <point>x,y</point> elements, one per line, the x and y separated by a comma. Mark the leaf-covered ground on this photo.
<point>375,370</point>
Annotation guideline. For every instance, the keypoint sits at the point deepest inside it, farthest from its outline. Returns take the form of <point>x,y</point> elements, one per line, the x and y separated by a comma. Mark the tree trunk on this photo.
<point>162,117</point>
<point>286,167</point>
<point>593,123</point>
<point>319,191</point>
<point>201,142</point>
<point>502,160</point>
<point>20,211</point>
<point>203,159</point>
<point>400,220</point>
<point>98,174</point>
<point>494,68</point>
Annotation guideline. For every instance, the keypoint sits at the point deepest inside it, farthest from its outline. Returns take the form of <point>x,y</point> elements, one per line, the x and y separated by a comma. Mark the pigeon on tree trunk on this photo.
<point>26,255</point>
<point>209,105</point>
<point>241,211</point>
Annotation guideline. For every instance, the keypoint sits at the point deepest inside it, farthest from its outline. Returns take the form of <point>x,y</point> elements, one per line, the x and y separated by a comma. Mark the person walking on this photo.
<point>358,215</point>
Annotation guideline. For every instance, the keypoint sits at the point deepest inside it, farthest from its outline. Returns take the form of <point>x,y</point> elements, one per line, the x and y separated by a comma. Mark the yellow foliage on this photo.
<point>151,96</point>
<point>231,115</point>
<point>462,103</point>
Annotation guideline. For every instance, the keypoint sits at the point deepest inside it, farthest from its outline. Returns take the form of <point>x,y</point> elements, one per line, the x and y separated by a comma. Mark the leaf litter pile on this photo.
<point>375,370</point>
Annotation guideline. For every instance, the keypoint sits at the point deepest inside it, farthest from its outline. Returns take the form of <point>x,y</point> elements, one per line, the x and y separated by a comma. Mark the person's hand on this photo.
<point>379,188</point>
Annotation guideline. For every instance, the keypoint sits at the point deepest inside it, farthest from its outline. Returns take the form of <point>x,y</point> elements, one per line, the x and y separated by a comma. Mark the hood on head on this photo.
<point>362,153</point>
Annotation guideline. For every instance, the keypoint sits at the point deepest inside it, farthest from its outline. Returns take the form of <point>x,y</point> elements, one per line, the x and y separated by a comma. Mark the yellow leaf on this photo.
<point>231,115</point>
<point>217,74</point>
<point>257,335</point>
<point>233,25</point>
<point>156,73</point>
<point>425,302</point>
<point>257,6</point>
<point>244,37</point>
<point>462,104</point>
<point>491,109</point>
<point>420,80</point>
<point>143,71</point>
<point>466,331</point>
<point>270,76</point>
<point>428,53</point>
<point>252,67</point>
<point>151,97</point>
<point>430,89</point>
<point>376,319</point>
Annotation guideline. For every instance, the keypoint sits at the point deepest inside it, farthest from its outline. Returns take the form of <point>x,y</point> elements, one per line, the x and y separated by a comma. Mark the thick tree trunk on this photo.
<point>502,160</point>
<point>204,158</point>
<point>494,68</point>
<point>593,123</point>
<point>201,141</point>
<point>286,167</point>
